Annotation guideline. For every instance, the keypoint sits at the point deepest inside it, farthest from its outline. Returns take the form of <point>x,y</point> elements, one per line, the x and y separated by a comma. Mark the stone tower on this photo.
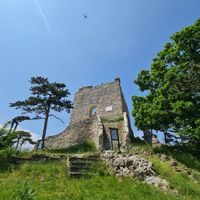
<point>100,114</point>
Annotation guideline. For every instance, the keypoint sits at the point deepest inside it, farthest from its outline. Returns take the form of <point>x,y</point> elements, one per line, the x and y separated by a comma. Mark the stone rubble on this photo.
<point>129,165</point>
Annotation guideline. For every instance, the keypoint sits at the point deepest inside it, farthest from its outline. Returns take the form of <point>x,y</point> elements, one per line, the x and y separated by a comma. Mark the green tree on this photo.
<point>172,104</point>
<point>9,138</point>
<point>22,137</point>
<point>45,98</point>
<point>6,137</point>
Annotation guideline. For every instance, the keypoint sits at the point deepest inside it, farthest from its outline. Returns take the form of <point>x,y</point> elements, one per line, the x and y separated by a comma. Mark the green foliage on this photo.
<point>9,138</point>
<point>181,154</point>
<point>44,95</point>
<point>22,137</point>
<point>5,159</point>
<point>6,137</point>
<point>50,180</point>
<point>24,191</point>
<point>97,169</point>
<point>181,182</point>
<point>45,98</point>
<point>172,104</point>
<point>21,118</point>
<point>86,146</point>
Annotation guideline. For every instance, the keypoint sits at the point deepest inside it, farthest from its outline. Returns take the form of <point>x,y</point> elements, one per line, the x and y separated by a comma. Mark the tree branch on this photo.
<point>37,118</point>
<point>57,118</point>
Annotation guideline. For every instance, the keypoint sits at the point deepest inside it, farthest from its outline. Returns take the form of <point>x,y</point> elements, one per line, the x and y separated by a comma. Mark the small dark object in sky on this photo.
<point>85,16</point>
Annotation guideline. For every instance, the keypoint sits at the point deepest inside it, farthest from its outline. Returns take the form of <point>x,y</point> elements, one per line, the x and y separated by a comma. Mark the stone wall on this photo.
<point>76,134</point>
<point>122,124</point>
<point>111,112</point>
<point>102,97</point>
<point>107,136</point>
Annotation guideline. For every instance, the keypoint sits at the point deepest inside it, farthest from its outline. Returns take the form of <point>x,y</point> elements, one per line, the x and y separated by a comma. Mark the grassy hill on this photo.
<point>50,180</point>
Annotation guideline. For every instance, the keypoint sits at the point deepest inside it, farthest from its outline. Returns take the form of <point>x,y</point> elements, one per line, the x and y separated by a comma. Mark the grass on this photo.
<point>181,154</point>
<point>85,147</point>
<point>49,181</point>
<point>181,182</point>
<point>6,160</point>
<point>187,158</point>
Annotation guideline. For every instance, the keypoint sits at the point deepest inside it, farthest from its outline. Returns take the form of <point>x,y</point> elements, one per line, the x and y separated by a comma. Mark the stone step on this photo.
<point>79,175</point>
<point>80,159</point>
<point>93,157</point>
<point>80,164</point>
<point>77,158</point>
<point>78,169</point>
<point>81,167</point>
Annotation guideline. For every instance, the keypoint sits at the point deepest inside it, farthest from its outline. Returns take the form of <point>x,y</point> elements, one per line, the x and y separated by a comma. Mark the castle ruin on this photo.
<point>100,115</point>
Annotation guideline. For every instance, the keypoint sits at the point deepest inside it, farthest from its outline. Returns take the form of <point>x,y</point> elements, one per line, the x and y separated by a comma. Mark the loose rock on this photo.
<point>128,165</point>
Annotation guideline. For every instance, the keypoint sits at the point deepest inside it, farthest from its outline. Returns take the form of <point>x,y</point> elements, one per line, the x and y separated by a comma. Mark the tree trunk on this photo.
<point>16,125</point>
<point>45,126</point>
<point>17,143</point>
<point>165,137</point>
<point>11,126</point>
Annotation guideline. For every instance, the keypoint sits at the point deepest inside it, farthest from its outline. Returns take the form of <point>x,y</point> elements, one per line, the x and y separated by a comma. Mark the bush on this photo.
<point>6,137</point>
<point>5,158</point>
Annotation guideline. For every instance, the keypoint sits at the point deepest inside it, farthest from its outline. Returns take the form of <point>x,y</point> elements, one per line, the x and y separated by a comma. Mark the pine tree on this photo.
<point>45,98</point>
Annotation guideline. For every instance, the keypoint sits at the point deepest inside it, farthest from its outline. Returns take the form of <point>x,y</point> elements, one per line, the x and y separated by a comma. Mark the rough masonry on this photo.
<point>100,115</point>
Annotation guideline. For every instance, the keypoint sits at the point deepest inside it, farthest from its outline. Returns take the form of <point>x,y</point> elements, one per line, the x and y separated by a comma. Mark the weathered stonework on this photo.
<point>75,134</point>
<point>97,111</point>
<point>133,164</point>
<point>130,165</point>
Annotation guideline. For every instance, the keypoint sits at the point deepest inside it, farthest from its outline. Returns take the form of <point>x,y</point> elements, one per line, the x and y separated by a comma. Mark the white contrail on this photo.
<point>49,29</point>
<point>43,17</point>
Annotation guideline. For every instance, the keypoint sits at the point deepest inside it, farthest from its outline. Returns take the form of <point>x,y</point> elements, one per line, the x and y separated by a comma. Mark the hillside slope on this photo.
<point>49,180</point>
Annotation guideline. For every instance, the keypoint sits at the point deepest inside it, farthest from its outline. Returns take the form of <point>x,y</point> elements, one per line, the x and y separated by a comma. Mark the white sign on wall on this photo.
<point>109,108</point>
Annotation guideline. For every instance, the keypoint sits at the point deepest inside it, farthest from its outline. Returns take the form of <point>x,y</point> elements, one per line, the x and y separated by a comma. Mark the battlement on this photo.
<point>97,86</point>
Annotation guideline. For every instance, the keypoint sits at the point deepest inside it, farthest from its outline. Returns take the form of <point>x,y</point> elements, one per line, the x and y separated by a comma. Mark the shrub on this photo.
<point>5,159</point>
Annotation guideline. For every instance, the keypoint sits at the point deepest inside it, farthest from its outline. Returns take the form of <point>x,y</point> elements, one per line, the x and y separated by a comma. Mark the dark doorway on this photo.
<point>114,135</point>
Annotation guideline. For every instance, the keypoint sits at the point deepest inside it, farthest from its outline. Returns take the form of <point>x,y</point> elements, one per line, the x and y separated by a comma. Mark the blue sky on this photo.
<point>50,38</point>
